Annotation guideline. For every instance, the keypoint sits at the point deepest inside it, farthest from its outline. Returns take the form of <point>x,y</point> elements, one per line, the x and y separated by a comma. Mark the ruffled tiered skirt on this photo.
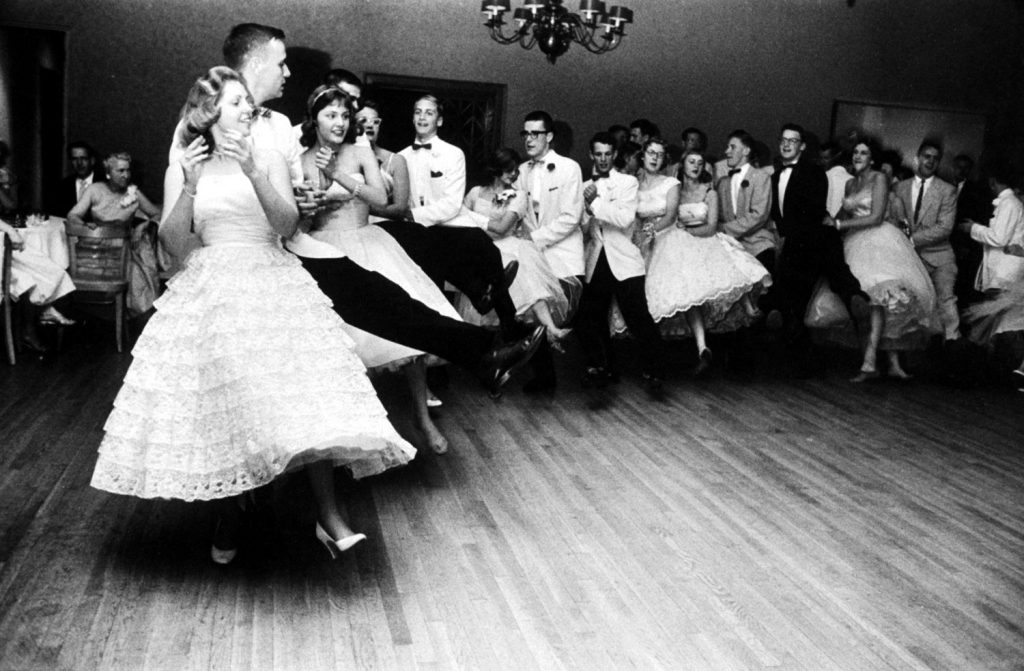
<point>243,373</point>
<point>891,273</point>
<point>713,273</point>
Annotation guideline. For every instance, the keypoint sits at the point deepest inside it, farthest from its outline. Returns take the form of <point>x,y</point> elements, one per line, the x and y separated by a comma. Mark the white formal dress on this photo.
<point>243,373</point>
<point>348,229</point>
<point>534,282</point>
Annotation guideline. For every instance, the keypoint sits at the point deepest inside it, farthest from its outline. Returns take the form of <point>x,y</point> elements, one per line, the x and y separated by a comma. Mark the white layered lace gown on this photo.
<point>713,273</point>
<point>243,373</point>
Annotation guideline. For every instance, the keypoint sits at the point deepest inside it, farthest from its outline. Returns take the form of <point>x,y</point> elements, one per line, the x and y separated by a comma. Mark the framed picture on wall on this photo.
<point>903,127</point>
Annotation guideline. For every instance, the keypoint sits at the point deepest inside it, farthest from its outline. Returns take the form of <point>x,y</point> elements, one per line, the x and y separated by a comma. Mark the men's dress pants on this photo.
<point>467,258</point>
<point>371,302</point>
<point>592,320</point>
<point>804,259</point>
<point>944,280</point>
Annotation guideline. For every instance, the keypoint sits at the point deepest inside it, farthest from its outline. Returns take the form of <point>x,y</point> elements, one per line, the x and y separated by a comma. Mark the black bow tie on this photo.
<point>788,166</point>
<point>734,171</point>
<point>600,175</point>
<point>417,147</point>
<point>262,112</point>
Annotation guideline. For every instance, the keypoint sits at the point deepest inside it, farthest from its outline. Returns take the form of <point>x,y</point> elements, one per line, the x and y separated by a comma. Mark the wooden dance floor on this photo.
<point>764,524</point>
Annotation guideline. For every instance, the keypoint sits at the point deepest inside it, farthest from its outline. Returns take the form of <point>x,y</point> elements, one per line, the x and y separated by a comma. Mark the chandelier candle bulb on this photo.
<point>548,25</point>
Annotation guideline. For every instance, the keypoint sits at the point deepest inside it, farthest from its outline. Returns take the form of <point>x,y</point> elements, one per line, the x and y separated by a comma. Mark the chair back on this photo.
<point>5,269</point>
<point>99,257</point>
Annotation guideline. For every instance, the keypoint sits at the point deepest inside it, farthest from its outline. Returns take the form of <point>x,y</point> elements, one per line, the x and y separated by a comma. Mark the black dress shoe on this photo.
<point>596,377</point>
<point>498,365</point>
<point>654,384</point>
<point>703,363</point>
<point>542,384</point>
<point>486,302</point>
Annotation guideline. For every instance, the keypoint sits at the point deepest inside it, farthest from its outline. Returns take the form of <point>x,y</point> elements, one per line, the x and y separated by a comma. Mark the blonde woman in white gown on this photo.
<point>244,372</point>
<point>346,179</point>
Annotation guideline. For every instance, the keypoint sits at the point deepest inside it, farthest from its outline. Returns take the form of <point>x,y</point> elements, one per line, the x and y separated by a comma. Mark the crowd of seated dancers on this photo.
<point>657,242</point>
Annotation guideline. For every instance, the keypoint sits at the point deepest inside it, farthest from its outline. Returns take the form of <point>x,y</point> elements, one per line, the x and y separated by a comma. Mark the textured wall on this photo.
<point>718,64</point>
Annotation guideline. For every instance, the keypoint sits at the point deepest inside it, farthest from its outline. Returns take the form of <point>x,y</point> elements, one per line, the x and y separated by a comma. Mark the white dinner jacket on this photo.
<point>437,183</point>
<point>611,226</point>
<point>555,226</point>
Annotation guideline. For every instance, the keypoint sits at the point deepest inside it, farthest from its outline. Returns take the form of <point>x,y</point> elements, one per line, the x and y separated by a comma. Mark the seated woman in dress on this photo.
<point>347,180</point>
<point>884,262</point>
<point>498,207</point>
<point>40,281</point>
<point>244,372</point>
<point>698,279</point>
<point>116,202</point>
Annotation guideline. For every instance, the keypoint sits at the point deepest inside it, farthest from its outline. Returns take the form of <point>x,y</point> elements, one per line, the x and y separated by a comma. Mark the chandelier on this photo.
<point>553,28</point>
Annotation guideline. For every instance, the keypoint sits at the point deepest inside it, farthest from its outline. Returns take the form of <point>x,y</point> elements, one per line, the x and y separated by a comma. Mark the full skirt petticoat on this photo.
<point>243,373</point>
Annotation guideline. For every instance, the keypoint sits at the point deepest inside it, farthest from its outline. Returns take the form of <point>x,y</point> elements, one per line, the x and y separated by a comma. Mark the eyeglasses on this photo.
<point>654,154</point>
<point>532,134</point>
<point>370,122</point>
<point>792,141</point>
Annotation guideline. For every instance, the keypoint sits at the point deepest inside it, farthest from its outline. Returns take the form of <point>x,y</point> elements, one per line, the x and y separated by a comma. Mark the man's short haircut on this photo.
<point>82,144</point>
<point>603,137</point>
<point>699,133</point>
<point>646,127</point>
<point>541,115</point>
<point>743,136</point>
<point>429,97</point>
<point>930,142</point>
<point>244,39</point>
<point>795,127</point>
<point>339,76</point>
<point>618,128</point>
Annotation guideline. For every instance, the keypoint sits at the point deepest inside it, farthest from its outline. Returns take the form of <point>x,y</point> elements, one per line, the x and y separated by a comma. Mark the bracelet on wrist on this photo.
<point>357,191</point>
<point>190,194</point>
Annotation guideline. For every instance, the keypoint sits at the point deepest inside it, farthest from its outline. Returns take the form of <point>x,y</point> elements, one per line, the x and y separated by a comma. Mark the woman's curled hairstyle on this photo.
<point>321,97</point>
<point>201,109</point>
<point>501,161</point>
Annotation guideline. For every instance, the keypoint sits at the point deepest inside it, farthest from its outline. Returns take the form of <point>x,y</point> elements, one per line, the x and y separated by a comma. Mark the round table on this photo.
<point>47,238</point>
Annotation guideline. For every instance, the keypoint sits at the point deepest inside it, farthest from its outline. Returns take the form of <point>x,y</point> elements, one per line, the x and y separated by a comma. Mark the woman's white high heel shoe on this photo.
<point>336,547</point>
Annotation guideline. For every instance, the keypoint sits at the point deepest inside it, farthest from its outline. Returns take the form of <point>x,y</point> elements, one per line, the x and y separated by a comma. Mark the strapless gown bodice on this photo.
<point>352,214</point>
<point>858,204</point>
<point>228,212</point>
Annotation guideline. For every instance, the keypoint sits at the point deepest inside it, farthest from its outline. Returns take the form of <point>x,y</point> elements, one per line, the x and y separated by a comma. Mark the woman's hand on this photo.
<point>236,147</point>
<point>1014,249</point>
<point>192,160</point>
<point>326,160</point>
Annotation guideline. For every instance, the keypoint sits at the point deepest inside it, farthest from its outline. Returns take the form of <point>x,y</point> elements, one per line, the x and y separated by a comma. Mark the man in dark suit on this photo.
<point>810,250</point>
<point>974,203</point>
<point>84,172</point>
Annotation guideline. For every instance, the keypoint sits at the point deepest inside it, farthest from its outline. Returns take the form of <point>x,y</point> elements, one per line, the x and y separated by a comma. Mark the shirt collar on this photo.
<point>1003,195</point>
<point>742,170</point>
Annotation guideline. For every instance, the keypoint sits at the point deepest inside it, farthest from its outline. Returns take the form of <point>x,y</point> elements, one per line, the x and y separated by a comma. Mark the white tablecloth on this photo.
<point>49,239</point>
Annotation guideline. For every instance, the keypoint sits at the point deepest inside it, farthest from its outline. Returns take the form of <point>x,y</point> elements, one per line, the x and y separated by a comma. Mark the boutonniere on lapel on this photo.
<point>436,173</point>
<point>551,167</point>
<point>744,184</point>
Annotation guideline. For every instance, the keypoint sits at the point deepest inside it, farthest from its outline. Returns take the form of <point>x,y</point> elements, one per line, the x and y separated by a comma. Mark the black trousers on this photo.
<point>466,258</point>
<point>805,259</point>
<point>592,319</point>
<point>369,301</point>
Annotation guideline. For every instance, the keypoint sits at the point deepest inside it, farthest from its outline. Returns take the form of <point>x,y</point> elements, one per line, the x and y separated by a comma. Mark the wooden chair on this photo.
<point>99,269</point>
<point>5,299</point>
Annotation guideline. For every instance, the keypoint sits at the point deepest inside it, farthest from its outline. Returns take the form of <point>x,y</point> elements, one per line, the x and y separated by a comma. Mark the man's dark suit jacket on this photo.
<point>64,197</point>
<point>804,205</point>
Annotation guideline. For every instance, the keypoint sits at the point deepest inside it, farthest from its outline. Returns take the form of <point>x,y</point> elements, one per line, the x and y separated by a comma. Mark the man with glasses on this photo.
<point>554,204</point>
<point>799,190</point>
